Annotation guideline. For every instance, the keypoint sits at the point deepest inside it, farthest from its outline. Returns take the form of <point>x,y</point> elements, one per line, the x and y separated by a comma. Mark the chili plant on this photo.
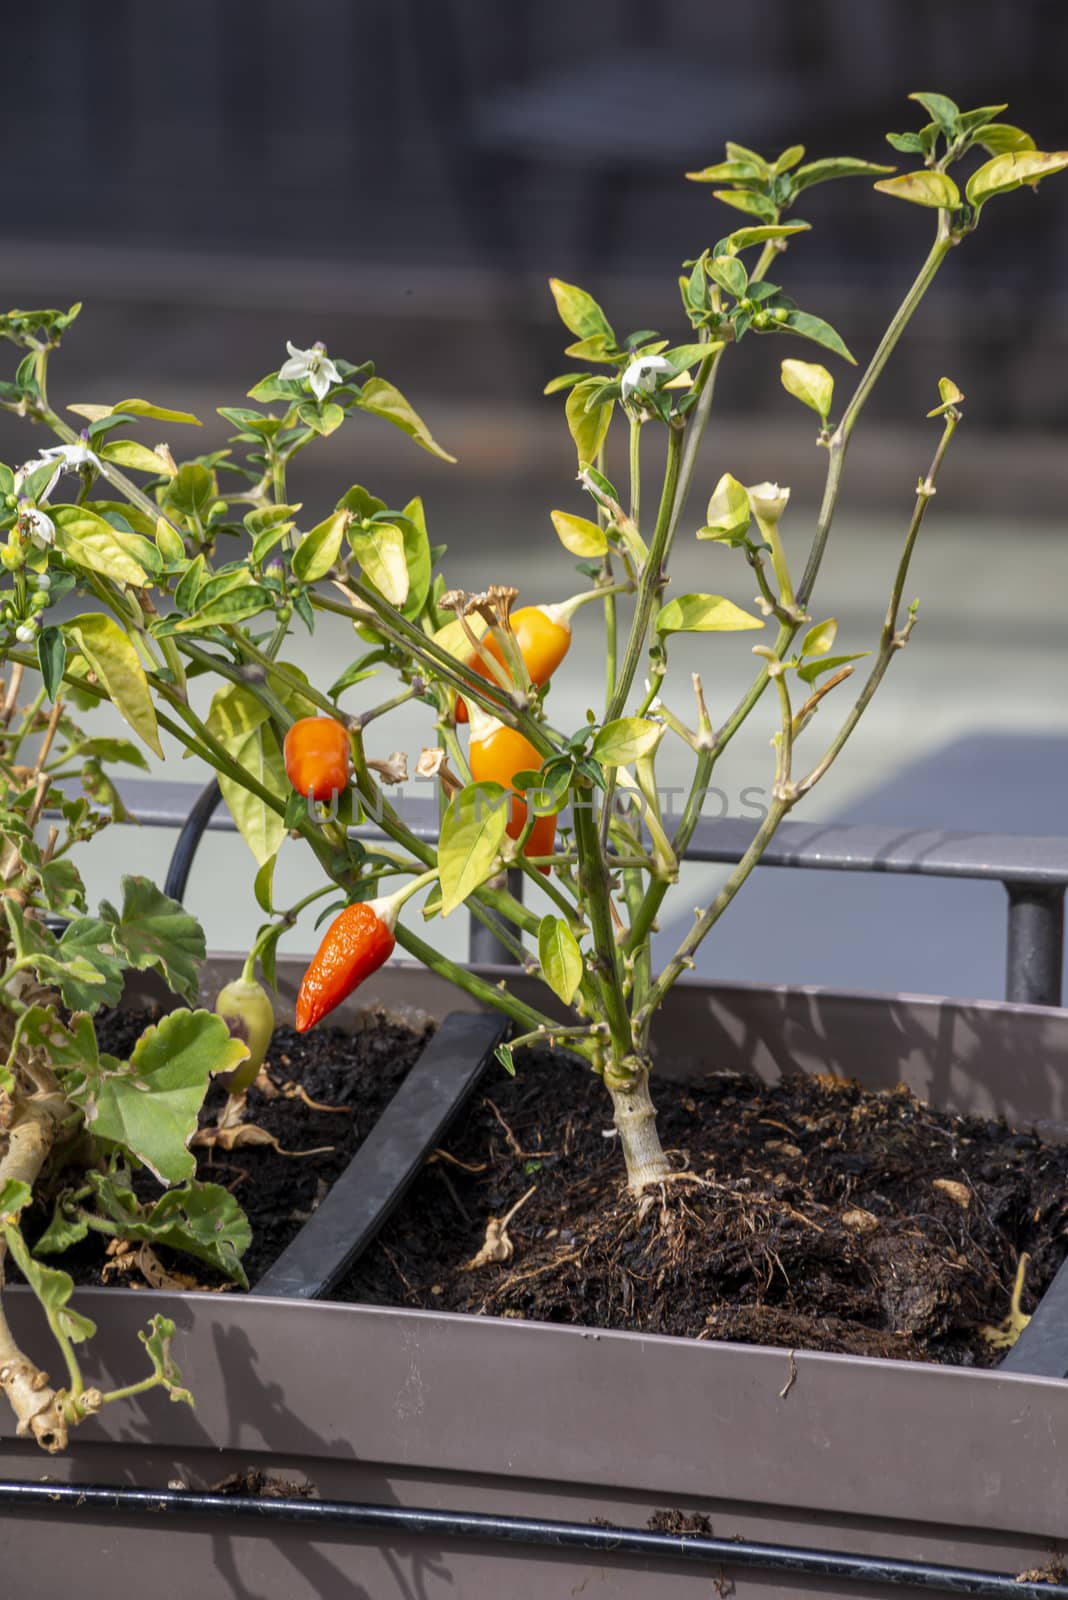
<point>205,568</point>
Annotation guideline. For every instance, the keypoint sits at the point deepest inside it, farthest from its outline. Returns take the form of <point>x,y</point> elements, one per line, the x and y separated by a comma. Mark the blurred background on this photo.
<point>400,177</point>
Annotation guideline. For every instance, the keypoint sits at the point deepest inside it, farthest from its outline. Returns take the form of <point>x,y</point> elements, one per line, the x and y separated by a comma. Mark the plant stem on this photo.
<point>652,575</point>
<point>596,892</point>
<point>498,999</point>
<point>891,640</point>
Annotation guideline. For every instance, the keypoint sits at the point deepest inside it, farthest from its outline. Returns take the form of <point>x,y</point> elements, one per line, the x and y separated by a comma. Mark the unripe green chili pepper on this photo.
<point>245,1007</point>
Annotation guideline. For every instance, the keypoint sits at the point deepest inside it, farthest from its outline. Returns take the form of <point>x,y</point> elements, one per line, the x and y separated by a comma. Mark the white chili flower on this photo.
<point>312,367</point>
<point>642,375</point>
<point>62,458</point>
<point>25,633</point>
<point>39,529</point>
<point>768,501</point>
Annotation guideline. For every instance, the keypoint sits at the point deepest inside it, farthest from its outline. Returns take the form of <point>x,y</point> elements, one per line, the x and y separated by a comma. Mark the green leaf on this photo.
<point>504,1055</point>
<point>910,144</point>
<point>157,1342</point>
<point>92,543</point>
<point>951,397</point>
<point>819,638</point>
<point>820,332</point>
<point>91,971</point>
<point>579,535</point>
<point>626,739</point>
<point>111,656</point>
<point>579,311</point>
<point>152,930</point>
<point>811,384</point>
<point>1011,171</point>
<point>729,513</point>
<point>379,548</point>
<point>241,724</point>
<point>816,669</point>
<point>15,1196</point>
<point>417,556</point>
<point>202,1220</point>
<point>169,541</point>
<point>587,428</point>
<point>999,137</point>
<point>52,1288</point>
<point>731,172</point>
<point>923,189</point>
<point>52,659</point>
<point>946,112</point>
<point>192,492</point>
<point>149,1106</point>
<point>190,585</point>
<point>757,205</point>
<point>704,613</point>
<point>746,238</point>
<point>63,1231</point>
<point>361,503</point>
<point>472,832</point>
<point>142,408</point>
<point>318,550</point>
<point>789,159</point>
<point>381,399</point>
<point>834,167</point>
<point>970,121</point>
<point>729,273</point>
<point>263,886</point>
<point>560,957</point>
<point>234,604</point>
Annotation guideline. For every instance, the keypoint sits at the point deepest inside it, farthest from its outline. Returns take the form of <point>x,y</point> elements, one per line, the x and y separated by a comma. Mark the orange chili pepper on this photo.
<point>543,634</point>
<point>357,942</point>
<point>316,753</point>
<point>496,754</point>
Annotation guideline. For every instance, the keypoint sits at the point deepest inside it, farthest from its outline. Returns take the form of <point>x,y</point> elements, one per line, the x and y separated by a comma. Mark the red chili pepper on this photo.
<point>357,942</point>
<point>316,753</point>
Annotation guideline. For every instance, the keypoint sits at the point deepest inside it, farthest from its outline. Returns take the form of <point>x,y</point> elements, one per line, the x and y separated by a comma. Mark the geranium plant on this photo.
<point>77,1124</point>
<point>204,566</point>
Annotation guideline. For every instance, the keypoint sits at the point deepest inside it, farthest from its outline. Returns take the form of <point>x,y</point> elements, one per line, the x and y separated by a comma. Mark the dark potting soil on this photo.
<point>817,1216</point>
<point>358,1071</point>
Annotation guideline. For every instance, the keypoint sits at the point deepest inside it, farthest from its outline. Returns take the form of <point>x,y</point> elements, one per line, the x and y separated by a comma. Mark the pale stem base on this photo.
<point>635,1120</point>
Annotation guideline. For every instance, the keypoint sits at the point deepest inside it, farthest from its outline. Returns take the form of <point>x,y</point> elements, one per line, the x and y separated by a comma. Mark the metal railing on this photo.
<point>1033,871</point>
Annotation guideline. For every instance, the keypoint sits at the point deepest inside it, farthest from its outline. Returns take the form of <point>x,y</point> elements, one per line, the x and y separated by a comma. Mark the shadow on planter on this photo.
<point>415,1428</point>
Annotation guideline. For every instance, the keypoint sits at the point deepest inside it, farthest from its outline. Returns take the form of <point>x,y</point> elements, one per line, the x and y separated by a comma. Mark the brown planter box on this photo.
<point>907,1462</point>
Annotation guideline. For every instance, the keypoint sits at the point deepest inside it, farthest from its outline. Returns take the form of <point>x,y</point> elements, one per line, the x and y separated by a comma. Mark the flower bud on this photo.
<point>642,375</point>
<point>768,501</point>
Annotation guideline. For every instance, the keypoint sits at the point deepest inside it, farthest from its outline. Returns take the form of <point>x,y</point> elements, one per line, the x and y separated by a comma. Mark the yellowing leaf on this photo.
<point>560,957</point>
<point>318,550</point>
<point>704,613</point>
<point>923,189</point>
<point>579,535</point>
<point>627,739</point>
<point>113,659</point>
<point>472,832</point>
<point>379,549</point>
<point>383,400</point>
<point>1011,171</point>
<point>128,453</point>
<point>810,383</point>
<point>93,543</point>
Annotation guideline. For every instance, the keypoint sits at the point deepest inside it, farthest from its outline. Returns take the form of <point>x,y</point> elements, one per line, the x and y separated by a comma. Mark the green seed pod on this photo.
<point>245,1007</point>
